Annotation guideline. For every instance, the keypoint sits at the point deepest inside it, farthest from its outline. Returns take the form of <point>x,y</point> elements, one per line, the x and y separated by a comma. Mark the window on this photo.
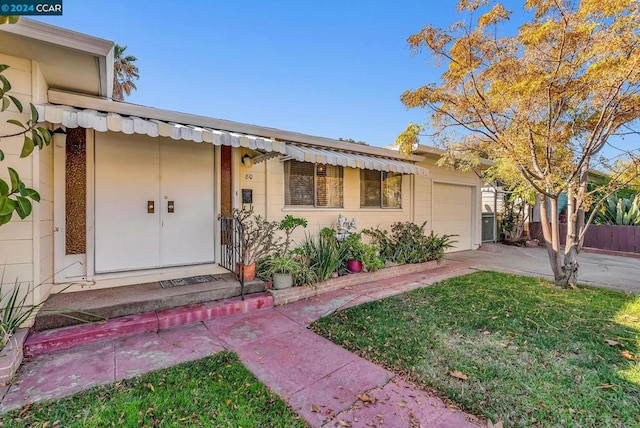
<point>318,185</point>
<point>380,189</point>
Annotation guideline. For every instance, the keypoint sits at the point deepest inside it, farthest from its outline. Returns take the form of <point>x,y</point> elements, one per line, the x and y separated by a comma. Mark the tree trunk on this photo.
<point>575,226</point>
<point>551,235</point>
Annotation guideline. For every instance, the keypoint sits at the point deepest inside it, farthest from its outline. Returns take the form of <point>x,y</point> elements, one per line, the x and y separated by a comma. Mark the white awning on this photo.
<point>72,117</point>
<point>352,160</point>
<point>103,121</point>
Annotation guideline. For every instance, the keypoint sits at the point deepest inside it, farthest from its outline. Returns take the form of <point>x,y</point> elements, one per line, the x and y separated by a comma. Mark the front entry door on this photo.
<point>154,203</point>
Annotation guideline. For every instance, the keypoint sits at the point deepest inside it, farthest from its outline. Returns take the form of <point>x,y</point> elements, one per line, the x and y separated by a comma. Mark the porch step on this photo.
<point>67,309</point>
<point>64,338</point>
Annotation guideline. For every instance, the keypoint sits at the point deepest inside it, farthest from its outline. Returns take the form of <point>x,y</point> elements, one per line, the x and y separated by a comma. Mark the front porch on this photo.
<point>66,309</point>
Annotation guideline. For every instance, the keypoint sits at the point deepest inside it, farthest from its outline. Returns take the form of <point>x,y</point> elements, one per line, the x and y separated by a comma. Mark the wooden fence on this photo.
<point>615,238</point>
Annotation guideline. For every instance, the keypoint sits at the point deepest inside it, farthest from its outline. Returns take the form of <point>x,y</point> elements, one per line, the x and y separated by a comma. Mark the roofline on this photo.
<point>422,148</point>
<point>102,49</point>
<point>128,109</point>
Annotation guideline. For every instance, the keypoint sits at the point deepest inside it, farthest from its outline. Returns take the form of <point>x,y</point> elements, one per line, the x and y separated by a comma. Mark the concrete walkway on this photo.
<point>600,270</point>
<point>321,381</point>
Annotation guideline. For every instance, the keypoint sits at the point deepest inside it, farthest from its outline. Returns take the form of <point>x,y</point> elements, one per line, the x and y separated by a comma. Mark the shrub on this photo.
<point>324,255</point>
<point>355,249</point>
<point>407,243</point>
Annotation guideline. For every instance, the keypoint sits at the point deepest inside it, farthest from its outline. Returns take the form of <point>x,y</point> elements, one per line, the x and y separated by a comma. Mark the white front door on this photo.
<point>186,179</point>
<point>138,179</point>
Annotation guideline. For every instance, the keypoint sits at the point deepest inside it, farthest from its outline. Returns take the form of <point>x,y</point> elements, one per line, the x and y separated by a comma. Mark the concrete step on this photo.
<point>67,337</point>
<point>67,309</point>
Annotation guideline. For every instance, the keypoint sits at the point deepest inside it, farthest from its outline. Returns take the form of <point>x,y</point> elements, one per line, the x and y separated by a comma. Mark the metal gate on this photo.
<point>231,247</point>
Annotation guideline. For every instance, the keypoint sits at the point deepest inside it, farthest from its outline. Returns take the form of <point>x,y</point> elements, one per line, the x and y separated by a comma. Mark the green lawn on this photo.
<point>533,354</point>
<point>213,392</point>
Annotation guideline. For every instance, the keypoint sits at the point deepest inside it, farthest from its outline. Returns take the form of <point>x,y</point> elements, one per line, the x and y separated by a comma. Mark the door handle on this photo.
<point>170,206</point>
<point>151,207</point>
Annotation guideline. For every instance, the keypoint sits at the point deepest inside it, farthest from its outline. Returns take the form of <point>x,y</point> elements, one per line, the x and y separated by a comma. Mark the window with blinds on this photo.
<point>311,184</point>
<point>380,189</point>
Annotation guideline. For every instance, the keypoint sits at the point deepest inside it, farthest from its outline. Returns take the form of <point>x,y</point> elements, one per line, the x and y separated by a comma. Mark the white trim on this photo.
<point>59,36</point>
<point>59,204</point>
<point>90,204</point>
<point>100,48</point>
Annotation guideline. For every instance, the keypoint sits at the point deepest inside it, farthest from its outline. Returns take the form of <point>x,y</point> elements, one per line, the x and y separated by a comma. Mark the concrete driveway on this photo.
<point>615,272</point>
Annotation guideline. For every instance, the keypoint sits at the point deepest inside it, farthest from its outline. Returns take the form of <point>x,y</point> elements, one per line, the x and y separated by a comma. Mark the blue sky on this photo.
<point>330,68</point>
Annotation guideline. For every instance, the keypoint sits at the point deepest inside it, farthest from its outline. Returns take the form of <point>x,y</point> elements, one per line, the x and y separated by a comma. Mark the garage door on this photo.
<point>453,213</point>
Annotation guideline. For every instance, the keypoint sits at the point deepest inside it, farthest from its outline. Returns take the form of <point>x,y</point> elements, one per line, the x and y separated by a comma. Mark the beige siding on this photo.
<point>16,238</point>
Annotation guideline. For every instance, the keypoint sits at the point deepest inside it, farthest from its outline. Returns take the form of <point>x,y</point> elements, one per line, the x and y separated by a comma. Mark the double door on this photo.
<point>154,203</point>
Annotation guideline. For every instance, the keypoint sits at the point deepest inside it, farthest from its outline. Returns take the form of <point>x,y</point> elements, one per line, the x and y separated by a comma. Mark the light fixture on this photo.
<point>246,160</point>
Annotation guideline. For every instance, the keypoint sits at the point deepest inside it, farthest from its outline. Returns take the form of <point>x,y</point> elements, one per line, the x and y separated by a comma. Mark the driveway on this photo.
<point>615,272</point>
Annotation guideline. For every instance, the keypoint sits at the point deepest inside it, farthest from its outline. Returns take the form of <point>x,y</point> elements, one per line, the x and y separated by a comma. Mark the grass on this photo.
<point>217,391</point>
<point>533,354</point>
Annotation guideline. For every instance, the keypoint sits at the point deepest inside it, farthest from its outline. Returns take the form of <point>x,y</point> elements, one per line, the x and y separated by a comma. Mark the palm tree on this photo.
<point>125,72</point>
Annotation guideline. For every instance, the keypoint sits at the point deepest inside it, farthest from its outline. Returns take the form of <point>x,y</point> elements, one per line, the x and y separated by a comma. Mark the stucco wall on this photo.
<point>267,181</point>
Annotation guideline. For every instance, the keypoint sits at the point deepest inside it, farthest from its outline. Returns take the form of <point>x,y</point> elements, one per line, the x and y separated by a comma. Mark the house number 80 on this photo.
<point>248,176</point>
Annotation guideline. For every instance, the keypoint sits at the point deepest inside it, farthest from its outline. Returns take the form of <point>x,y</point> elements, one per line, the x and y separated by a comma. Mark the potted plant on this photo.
<point>257,238</point>
<point>355,249</point>
<point>283,268</point>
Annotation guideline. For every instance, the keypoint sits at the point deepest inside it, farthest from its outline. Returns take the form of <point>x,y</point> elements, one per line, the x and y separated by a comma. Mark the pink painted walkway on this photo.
<point>320,380</point>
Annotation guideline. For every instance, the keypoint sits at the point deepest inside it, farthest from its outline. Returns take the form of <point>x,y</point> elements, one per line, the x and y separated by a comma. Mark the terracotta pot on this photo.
<point>246,272</point>
<point>354,266</point>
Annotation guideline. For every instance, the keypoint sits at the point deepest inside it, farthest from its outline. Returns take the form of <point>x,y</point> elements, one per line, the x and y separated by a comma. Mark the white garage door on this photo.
<point>453,213</point>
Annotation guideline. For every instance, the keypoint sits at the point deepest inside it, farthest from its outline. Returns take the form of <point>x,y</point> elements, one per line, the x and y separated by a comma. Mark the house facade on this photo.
<point>133,194</point>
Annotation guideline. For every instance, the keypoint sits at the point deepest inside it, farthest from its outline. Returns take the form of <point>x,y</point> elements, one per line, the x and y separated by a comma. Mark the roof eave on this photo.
<point>100,48</point>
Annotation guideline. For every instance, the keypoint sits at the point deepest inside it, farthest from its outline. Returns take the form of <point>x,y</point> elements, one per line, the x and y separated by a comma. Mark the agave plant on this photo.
<point>619,212</point>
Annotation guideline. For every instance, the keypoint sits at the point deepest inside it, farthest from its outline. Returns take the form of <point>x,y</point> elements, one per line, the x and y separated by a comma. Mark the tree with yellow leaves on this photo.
<point>541,102</point>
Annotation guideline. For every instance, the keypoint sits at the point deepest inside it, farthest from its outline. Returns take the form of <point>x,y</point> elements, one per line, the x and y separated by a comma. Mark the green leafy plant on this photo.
<point>407,243</point>
<point>619,212</point>
<point>288,224</point>
<point>15,196</point>
<point>14,310</point>
<point>324,255</point>
<point>291,264</point>
<point>368,254</point>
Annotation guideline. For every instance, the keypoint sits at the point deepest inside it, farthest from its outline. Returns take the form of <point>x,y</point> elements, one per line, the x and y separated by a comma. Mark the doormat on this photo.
<point>187,281</point>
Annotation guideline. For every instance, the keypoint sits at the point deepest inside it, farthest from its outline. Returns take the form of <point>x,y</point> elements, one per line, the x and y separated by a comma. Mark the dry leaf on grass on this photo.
<point>458,375</point>
<point>612,342</point>
<point>628,355</point>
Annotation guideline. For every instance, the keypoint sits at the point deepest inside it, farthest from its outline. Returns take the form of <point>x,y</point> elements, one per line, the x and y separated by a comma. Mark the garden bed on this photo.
<point>11,356</point>
<point>290,295</point>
